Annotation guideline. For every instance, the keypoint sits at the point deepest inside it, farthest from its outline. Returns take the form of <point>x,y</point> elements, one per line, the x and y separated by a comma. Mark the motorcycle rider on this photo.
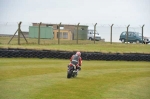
<point>76,60</point>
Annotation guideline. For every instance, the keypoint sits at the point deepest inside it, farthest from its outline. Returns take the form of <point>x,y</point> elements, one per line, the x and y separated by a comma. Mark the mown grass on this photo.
<point>71,45</point>
<point>32,78</point>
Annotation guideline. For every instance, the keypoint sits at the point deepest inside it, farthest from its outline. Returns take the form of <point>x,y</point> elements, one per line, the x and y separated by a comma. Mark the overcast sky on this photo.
<point>74,11</point>
<point>121,12</point>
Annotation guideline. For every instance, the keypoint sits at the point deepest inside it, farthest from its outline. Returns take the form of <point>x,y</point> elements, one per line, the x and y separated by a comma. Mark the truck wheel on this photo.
<point>90,38</point>
<point>123,41</point>
<point>137,41</point>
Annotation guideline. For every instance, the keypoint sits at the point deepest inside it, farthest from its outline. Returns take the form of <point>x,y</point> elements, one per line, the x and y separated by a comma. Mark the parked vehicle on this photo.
<point>146,40</point>
<point>90,35</point>
<point>133,37</point>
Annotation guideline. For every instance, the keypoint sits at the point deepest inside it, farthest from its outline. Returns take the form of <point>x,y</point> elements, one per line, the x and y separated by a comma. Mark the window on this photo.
<point>129,33</point>
<point>82,28</point>
<point>134,34</point>
<point>65,35</point>
<point>124,33</point>
<point>59,35</point>
<point>139,34</point>
<point>61,27</point>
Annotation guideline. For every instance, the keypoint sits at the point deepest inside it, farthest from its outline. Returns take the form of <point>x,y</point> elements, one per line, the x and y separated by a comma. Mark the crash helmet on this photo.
<point>78,53</point>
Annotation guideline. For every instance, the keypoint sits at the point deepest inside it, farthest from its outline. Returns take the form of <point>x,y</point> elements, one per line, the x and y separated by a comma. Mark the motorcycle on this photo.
<point>72,71</point>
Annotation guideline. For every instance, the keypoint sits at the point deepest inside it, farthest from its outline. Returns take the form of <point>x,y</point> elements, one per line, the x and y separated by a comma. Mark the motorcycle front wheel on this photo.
<point>69,74</point>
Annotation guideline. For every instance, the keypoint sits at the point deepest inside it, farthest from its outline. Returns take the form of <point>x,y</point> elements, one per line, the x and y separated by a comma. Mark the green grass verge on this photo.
<point>28,78</point>
<point>71,45</point>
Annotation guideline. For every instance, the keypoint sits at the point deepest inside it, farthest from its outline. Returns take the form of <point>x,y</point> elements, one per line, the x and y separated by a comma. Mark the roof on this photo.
<point>131,31</point>
<point>61,24</point>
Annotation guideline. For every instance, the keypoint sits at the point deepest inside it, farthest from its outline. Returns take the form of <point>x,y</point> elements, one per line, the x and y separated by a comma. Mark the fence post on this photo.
<point>19,25</point>
<point>111,34</point>
<point>13,36</point>
<point>24,36</point>
<point>94,31</point>
<point>77,32</point>
<point>127,33</point>
<point>142,33</point>
<point>39,34</point>
<point>59,33</point>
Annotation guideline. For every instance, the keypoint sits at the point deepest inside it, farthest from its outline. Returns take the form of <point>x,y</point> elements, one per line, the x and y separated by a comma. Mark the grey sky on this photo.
<point>86,11</point>
<point>121,12</point>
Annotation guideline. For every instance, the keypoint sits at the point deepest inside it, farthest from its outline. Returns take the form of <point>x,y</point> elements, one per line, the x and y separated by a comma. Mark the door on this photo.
<point>130,37</point>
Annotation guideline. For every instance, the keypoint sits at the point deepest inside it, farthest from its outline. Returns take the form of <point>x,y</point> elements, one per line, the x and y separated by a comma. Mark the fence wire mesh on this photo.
<point>69,33</point>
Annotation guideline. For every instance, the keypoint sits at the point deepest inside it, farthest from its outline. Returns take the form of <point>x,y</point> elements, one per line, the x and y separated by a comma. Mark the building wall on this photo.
<point>45,32</point>
<point>64,34</point>
<point>82,33</point>
<point>37,24</point>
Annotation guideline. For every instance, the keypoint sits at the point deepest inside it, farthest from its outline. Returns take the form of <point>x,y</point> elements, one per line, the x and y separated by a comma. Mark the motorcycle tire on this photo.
<point>69,74</point>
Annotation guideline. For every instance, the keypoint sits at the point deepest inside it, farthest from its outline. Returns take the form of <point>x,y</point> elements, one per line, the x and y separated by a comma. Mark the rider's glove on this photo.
<point>79,67</point>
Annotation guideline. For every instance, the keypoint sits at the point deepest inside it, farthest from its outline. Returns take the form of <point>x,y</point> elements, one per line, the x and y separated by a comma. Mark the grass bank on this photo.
<point>32,78</point>
<point>83,45</point>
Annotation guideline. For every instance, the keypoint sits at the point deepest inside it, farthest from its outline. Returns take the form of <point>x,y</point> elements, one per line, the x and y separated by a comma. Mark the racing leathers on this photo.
<point>76,60</point>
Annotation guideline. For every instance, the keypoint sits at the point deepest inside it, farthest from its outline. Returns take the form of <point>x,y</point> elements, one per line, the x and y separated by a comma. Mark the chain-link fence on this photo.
<point>59,33</point>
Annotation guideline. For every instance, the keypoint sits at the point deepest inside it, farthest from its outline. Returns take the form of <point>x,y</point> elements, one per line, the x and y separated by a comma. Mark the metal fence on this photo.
<point>108,32</point>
